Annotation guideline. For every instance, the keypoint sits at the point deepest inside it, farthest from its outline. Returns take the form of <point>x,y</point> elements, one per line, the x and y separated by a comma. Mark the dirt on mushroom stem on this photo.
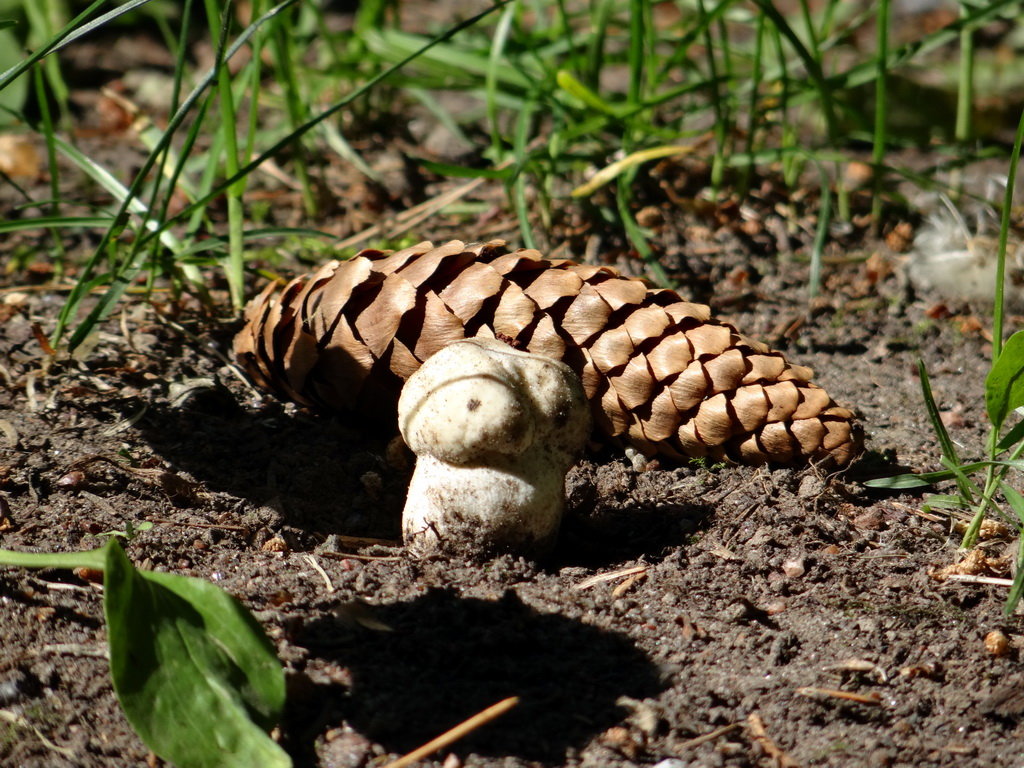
<point>495,429</point>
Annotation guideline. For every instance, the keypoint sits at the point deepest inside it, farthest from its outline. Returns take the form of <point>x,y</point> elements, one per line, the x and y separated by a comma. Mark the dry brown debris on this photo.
<point>975,563</point>
<point>660,373</point>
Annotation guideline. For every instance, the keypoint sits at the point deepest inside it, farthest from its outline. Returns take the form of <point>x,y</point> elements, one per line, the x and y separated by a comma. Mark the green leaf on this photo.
<point>55,222</point>
<point>193,671</point>
<point>195,675</point>
<point>575,88</point>
<point>13,96</point>
<point>95,558</point>
<point>1011,438</point>
<point>1015,500</point>
<point>899,482</point>
<point>1004,385</point>
<point>945,441</point>
<point>945,501</point>
<point>1017,589</point>
<point>911,480</point>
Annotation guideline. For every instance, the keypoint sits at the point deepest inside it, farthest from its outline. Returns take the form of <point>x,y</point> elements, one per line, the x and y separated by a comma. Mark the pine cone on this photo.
<point>659,372</point>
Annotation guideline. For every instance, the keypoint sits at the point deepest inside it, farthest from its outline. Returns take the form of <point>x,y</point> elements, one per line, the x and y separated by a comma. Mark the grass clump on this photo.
<point>1004,397</point>
<point>572,100</point>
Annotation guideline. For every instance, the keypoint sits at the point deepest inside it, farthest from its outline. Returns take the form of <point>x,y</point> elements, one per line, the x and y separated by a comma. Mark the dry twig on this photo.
<point>323,574</point>
<point>709,736</point>
<point>760,735</point>
<point>968,578</point>
<point>18,721</point>
<point>600,578</point>
<point>861,698</point>
<point>459,731</point>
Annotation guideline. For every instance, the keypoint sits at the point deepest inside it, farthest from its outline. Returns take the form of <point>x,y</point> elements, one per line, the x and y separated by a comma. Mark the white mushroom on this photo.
<point>494,430</point>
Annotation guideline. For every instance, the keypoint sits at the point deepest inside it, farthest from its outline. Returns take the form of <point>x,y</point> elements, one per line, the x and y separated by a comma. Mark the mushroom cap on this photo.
<point>479,401</point>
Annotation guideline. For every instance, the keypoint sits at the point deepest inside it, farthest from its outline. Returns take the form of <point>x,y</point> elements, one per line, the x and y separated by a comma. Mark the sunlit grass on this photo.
<point>565,91</point>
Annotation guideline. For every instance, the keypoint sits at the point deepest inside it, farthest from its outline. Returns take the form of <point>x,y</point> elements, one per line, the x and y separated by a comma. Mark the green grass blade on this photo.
<point>520,151</point>
<point>99,312</point>
<point>600,20</point>
<point>119,191</point>
<point>70,32</point>
<point>55,222</point>
<point>945,442</point>
<point>998,311</point>
<point>325,115</point>
<point>462,172</point>
<point>820,235</point>
<point>94,558</point>
<point>495,65</point>
<point>578,90</point>
<point>1017,588</point>
<point>811,65</point>
<point>881,103</point>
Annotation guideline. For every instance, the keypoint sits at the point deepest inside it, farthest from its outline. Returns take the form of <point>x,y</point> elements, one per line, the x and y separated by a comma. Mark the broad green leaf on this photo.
<point>1004,385</point>
<point>195,675</point>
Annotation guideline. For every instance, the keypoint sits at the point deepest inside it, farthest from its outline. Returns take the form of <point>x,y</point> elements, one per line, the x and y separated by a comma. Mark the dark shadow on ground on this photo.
<point>615,513</point>
<point>315,469</point>
<point>613,536</point>
<point>448,658</point>
<point>327,476</point>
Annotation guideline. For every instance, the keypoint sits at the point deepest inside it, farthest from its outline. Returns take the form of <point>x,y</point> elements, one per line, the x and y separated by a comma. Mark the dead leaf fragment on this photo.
<point>931,670</point>
<point>975,563</point>
<point>275,544</point>
<point>621,740</point>
<point>860,666</point>
<point>997,643</point>
<point>92,575</point>
<point>356,612</point>
<point>19,157</point>
<point>901,237</point>
<point>857,174</point>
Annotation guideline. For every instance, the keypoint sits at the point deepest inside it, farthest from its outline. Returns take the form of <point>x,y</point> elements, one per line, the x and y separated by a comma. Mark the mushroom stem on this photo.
<point>495,430</point>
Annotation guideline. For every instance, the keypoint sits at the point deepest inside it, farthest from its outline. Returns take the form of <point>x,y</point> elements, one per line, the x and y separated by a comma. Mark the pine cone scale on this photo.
<point>660,373</point>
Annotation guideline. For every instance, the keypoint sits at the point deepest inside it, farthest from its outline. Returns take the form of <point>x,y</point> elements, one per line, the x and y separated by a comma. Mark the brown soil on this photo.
<point>756,584</point>
<point>748,598</point>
